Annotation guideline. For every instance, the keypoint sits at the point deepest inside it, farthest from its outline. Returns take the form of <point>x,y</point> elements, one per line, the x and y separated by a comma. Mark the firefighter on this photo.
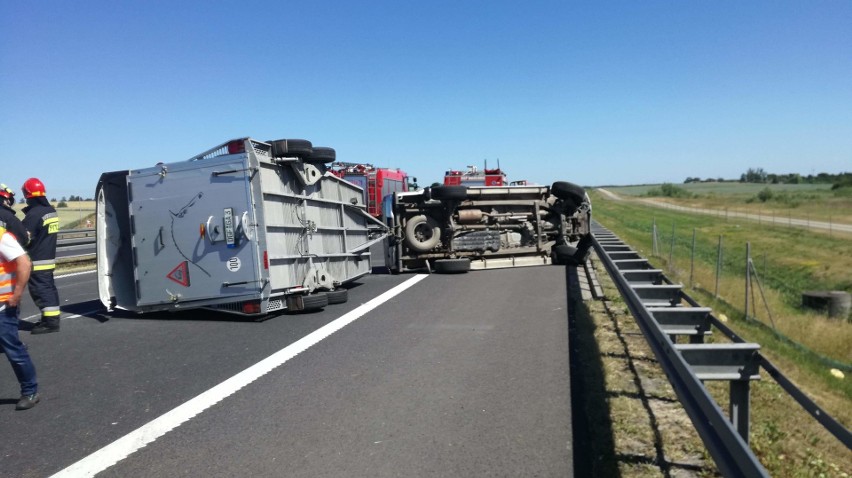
<point>42,224</point>
<point>14,271</point>
<point>8,219</point>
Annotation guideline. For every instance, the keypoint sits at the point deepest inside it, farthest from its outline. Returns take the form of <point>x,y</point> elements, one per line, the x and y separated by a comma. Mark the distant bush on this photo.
<point>844,182</point>
<point>62,204</point>
<point>792,200</point>
<point>842,191</point>
<point>670,191</point>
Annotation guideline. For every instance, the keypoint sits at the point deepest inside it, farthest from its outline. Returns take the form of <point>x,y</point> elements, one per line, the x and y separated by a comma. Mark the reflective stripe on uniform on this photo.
<point>8,275</point>
<point>6,287</point>
<point>50,312</point>
<point>44,265</point>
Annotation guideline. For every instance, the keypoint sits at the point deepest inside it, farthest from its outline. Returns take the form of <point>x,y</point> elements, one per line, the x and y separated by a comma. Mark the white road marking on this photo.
<point>73,274</point>
<point>133,441</point>
<point>38,316</point>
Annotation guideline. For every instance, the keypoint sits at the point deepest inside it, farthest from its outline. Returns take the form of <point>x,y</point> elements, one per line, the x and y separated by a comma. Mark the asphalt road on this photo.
<point>457,375</point>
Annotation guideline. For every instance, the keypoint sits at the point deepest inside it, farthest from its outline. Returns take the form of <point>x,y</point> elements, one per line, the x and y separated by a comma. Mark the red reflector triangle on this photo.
<point>180,274</point>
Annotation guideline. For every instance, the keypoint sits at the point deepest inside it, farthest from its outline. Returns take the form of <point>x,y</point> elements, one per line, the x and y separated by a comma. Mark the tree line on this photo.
<point>760,176</point>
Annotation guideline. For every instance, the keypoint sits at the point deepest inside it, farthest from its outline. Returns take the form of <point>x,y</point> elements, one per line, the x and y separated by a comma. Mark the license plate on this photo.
<point>230,237</point>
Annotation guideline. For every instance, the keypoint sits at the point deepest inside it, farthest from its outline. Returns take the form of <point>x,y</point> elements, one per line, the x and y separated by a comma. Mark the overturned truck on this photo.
<point>248,227</point>
<point>459,228</point>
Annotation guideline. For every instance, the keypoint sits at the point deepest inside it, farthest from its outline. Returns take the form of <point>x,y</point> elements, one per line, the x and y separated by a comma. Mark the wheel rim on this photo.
<point>423,232</point>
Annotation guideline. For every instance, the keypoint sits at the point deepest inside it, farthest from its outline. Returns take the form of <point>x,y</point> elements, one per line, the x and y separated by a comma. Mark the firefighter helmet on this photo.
<point>6,192</point>
<point>33,187</point>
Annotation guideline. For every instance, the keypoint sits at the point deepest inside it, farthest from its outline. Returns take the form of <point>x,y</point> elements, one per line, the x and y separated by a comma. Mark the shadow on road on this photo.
<point>594,446</point>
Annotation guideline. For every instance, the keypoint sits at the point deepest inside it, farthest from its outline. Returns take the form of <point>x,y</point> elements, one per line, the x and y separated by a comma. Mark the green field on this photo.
<point>726,188</point>
<point>802,201</point>
<point>74,216</point>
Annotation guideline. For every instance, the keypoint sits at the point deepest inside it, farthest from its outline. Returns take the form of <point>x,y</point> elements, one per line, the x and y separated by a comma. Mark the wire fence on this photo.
<point>728,260</point>
<point>774,218</point>
<point>741,277</point>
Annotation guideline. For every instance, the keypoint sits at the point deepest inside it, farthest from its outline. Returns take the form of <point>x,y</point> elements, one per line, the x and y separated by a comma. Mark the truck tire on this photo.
<point>564,255</point>
<point>291,148</point>
<point>337,296</point>
<point>568,191</point>
<point>315,301</point>
<point>449,192</point>
<point>309,302</point>
<point>422,233</point>
<point>584,248</point>
<point>321,155</point>
<point>452,266</point>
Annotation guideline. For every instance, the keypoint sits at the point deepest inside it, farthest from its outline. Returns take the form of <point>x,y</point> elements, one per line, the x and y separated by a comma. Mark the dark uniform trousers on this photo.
<point>42,223</point>
<point>44,294</point>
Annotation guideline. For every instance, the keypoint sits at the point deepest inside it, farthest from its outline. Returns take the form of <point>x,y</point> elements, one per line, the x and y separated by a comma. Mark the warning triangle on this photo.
<point>180,274</point>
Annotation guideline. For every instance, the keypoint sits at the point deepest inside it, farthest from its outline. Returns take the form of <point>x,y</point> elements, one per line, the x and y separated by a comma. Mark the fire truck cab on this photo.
<point>376,182</point>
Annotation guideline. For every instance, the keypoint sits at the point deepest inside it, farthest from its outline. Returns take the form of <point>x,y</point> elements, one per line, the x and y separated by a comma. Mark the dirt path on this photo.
<point>781,221</point>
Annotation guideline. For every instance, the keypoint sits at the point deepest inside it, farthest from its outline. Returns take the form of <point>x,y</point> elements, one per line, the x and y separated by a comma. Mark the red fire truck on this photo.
<point>475,177</point>
<point>376,182</point>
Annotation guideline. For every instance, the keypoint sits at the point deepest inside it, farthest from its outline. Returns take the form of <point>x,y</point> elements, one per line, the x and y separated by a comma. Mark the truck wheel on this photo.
<point>568,191</point>
<point>315,301</point>
<point>337,296</point>
<point>321,155</point>
<point>452,266</point>
<point>584,247</point>
<point>449,192</point>
<point>564,255</point>
<point>292,148</point>
<point>422,233</point>
<point>307,302</point>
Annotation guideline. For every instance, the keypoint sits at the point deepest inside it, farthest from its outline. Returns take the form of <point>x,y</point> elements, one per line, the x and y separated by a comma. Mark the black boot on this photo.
<point>46,326</point>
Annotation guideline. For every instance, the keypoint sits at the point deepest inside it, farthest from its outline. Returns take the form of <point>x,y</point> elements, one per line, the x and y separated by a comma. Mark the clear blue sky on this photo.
<point>596,92</point>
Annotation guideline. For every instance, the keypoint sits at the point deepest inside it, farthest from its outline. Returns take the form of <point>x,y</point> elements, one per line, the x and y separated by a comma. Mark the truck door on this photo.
<point>193,232</point>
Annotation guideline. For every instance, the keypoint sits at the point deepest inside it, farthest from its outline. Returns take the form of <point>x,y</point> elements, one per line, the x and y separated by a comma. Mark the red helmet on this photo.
<point>33,187</point>
<point>6,192</point>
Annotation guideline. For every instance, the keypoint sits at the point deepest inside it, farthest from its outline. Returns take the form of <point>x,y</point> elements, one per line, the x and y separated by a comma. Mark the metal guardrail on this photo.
<point>657,305</point>
<point>69,238</point>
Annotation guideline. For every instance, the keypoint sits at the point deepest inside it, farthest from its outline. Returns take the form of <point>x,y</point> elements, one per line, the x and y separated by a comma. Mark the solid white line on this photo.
<point>133,441</point>
<point>74,274</point>
<point>38,316</point>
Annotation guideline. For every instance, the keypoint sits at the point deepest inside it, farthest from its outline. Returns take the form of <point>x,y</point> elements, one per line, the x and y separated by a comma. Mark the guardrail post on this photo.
<point>739,408</point>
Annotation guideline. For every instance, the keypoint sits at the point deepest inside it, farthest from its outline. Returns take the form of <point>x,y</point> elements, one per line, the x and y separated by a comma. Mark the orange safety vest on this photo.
<point>8,275</point>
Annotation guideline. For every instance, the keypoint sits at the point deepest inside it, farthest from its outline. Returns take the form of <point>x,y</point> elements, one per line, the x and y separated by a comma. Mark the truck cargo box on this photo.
<point>248,227</point>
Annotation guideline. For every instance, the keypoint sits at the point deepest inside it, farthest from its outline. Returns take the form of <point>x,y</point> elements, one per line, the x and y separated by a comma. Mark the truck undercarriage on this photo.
<point>458,228</point>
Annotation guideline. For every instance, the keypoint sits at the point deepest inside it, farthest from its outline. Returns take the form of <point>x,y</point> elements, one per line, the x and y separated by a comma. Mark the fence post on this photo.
<point>692,260</point>
<point>747,277</point>
<point>718,266</point>
<point>671,250</point>
<point>654,238</point>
